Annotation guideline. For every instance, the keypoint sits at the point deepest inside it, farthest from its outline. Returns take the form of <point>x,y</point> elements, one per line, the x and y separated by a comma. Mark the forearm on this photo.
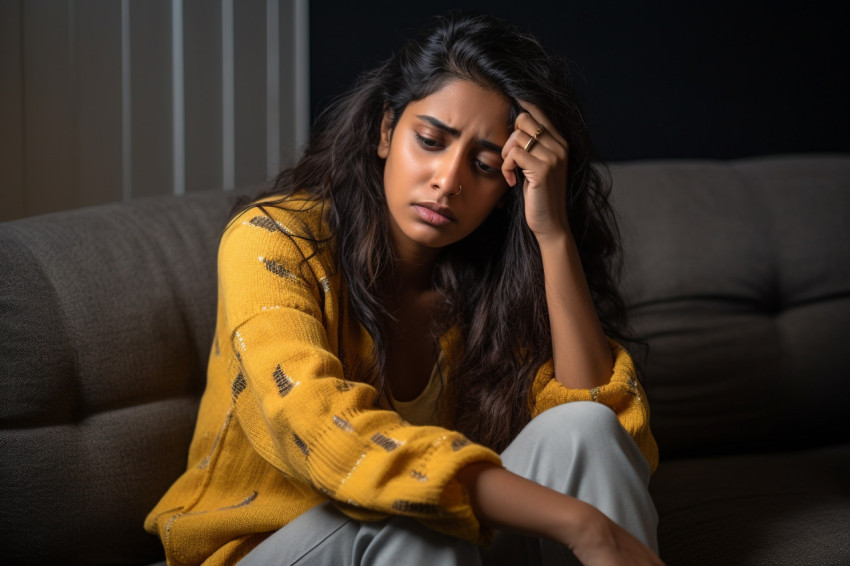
<point>581,354</point>
<point>504,500</point>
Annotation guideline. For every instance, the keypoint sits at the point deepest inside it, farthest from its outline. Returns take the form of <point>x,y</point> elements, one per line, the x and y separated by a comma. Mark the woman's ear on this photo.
<point>386,135</point>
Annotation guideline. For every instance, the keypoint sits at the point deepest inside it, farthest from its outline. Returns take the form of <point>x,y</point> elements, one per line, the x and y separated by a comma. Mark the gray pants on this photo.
<point>577,448</point>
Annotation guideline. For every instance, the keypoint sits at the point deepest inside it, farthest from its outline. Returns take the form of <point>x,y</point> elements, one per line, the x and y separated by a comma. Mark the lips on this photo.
<point>439,209</point>
<point>434,213</point>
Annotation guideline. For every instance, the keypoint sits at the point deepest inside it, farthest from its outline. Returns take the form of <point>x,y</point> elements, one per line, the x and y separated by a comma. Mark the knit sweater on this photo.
<point>286,421</point>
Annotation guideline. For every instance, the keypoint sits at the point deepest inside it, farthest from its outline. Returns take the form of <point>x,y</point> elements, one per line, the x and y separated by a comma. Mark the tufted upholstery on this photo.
<point>738,279</point>
<point>106,317</point>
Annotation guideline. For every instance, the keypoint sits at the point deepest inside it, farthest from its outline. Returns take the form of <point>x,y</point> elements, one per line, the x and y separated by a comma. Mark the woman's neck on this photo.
<point>411,350</point>
<point>413,277</point>
<point>414,267</point>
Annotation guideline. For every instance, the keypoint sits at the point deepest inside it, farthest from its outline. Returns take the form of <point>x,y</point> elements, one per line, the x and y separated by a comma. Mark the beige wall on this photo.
<point>109,100</point>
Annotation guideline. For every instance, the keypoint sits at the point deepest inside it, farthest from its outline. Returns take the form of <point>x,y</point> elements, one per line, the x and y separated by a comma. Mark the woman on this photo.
<point>419,293</point>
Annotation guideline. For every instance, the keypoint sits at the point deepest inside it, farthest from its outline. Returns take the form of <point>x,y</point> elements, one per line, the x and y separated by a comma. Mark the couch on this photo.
<point>737,277</point>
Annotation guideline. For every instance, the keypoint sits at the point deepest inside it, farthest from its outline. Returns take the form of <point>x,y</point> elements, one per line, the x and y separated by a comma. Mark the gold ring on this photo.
<point>539,131</point>
<point>529,144</point>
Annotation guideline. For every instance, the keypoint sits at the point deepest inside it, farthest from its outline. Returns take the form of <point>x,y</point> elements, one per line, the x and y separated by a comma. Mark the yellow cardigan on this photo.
<point>284,423</point>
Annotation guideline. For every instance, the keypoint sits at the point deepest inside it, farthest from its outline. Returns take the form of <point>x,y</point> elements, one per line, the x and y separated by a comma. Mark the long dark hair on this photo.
<point>492,281</point>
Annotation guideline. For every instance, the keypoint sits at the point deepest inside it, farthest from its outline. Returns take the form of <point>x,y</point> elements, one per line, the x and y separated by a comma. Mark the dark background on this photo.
<point>657,79</point>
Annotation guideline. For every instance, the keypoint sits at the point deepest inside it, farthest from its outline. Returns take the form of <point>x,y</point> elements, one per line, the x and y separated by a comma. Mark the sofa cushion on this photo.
<point>738,281</point>
<point>791,508</point>
<point>106,316</point>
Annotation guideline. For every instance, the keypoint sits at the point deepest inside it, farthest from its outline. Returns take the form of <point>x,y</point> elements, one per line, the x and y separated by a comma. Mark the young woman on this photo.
<point>429,287</point>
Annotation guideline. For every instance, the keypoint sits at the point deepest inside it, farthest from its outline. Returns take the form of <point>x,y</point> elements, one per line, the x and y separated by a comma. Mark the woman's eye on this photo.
<point>484,167</point>
<point>427,142</point>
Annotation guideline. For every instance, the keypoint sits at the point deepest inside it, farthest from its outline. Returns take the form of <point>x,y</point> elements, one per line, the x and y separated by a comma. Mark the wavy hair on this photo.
<point>492,281</point>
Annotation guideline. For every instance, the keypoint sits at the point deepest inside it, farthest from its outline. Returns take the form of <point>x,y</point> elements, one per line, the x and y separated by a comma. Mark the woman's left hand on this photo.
<point>544,164</point>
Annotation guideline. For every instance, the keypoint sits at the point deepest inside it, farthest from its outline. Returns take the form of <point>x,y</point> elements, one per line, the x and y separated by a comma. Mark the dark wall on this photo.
<point>658,79</point>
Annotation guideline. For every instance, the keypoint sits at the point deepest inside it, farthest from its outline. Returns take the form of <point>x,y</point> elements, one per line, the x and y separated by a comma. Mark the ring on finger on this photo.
<point>540,130</point>
<point>529,144</point>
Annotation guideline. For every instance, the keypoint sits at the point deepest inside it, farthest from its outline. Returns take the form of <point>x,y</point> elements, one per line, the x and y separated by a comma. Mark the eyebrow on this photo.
<point>456,133</point>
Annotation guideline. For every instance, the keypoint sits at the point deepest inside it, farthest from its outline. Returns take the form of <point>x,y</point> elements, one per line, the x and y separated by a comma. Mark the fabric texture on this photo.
<point>783,508</point>
<point>591,457</point>
<point>286,421</point>
<point>737,278</point>
<point>105,326</point>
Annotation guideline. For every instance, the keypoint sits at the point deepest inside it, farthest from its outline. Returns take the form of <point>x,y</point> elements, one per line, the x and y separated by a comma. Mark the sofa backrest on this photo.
<point>106,318</point>
<point>737,275</point>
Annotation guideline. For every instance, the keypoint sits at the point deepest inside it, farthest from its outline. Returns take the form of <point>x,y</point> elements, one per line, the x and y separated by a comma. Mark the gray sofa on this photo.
<point>737,276</point>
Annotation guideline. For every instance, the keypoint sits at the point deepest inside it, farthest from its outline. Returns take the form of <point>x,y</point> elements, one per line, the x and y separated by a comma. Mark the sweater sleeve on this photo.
<point>299,411</point>
<point>623,394</point>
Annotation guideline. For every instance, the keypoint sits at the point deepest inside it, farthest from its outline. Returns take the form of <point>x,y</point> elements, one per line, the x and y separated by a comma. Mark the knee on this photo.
<point>581,419</point>
<point>590,431</point>
<point>586,431</point>
<point>563,443</point>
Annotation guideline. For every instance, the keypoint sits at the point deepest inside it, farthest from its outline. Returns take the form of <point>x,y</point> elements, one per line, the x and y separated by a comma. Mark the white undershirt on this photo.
<point>423,409</point>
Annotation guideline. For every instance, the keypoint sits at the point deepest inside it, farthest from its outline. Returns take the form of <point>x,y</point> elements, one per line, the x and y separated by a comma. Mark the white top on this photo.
<point>422,410</point>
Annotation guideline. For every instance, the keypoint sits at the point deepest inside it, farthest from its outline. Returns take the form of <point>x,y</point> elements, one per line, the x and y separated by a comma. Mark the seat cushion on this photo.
<point>785,508</point>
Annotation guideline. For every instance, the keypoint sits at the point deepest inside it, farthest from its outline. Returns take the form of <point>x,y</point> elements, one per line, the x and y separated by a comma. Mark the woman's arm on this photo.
<point>581,354</point>
<point>580,351</point>
<point>502,499</point>
<point>582,359</point>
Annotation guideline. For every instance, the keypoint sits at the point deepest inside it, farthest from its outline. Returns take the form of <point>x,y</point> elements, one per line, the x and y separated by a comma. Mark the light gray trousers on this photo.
<point>577,448</point>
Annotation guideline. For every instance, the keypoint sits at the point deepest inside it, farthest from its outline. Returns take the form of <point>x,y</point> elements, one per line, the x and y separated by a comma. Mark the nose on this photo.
<point>448,172</point>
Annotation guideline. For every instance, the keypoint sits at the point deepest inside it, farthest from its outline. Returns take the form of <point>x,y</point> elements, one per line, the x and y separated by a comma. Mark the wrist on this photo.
<point>570,520</point>
<point>581,524</point>
<point>557,245</point>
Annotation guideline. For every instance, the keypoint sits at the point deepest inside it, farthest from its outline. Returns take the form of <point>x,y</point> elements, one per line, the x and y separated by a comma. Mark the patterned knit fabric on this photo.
<point>286,422</point>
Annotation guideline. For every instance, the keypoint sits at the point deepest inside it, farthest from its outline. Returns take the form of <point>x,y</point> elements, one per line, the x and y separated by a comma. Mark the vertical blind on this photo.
<point>102,101</point>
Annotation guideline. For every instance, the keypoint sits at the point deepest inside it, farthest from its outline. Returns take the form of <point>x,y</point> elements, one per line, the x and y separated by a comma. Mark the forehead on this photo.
<point>467,107</point>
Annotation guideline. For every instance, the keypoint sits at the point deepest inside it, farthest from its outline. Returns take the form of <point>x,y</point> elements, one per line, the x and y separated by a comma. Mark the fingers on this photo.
<point>522,151</point>
<point>539,128</point>
<point>538,117</point>
<point>534,144</point>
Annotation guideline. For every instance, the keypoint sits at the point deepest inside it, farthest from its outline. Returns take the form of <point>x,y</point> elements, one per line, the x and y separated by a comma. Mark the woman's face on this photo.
<point>448,140</point>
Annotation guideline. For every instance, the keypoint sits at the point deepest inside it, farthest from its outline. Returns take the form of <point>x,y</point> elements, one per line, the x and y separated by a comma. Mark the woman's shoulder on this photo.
<point>299,214</point>
<point>279,226</point>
